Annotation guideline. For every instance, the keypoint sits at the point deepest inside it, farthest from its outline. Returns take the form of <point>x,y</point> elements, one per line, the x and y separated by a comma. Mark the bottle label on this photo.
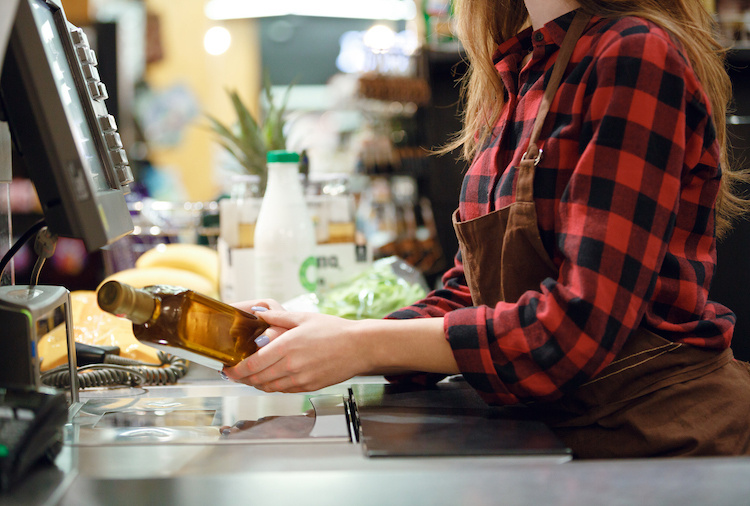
<point>308,274</point>
<point>283,279</point>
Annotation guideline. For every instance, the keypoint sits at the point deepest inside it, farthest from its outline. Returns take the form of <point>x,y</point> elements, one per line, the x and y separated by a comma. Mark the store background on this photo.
<point>162,82</point>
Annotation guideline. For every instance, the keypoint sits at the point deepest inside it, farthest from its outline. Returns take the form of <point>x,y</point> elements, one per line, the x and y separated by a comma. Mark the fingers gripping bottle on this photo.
<point>285,262</point>
<point>184,323</point>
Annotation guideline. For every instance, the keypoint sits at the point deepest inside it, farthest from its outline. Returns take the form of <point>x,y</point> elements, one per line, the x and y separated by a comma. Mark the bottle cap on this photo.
<point>282,157</point>
<point>124,300</point>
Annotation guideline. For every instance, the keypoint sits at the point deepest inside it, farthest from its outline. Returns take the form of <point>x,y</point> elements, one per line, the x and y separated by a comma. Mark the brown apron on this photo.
<point>657,398</point>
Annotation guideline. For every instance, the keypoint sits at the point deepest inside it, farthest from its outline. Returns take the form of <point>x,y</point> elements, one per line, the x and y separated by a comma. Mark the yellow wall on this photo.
<point>183,25</point>
<point>710,5</point>
<point>77,11</point>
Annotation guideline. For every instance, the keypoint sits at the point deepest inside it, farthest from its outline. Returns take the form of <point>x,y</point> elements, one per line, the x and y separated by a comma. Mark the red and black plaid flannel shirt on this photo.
<point>625,198</point>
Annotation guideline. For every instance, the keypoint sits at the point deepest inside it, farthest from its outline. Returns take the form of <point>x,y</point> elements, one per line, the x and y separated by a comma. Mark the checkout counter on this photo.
<point>165,445</point>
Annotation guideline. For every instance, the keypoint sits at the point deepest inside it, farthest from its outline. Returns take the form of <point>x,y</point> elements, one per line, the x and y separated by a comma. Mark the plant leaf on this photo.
<point>248,140</point>
<point>248,157</point>
<point>221,129</point>
<point>249,128</point>
<point>273,127</point>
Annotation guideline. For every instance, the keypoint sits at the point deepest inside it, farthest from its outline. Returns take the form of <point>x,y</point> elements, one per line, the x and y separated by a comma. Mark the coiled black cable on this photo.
<point>120,371</point>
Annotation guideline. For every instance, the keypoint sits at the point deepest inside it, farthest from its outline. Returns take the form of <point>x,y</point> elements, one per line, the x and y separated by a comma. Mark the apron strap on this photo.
<point>577,26</point>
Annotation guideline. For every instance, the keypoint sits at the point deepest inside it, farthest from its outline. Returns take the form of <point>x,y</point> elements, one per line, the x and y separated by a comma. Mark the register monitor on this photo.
<point>54,103</point>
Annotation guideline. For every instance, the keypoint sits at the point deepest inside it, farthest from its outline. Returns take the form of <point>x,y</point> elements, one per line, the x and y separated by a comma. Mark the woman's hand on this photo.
<point>303,352</point>
<point>255,307</point>
<point>306,352</point>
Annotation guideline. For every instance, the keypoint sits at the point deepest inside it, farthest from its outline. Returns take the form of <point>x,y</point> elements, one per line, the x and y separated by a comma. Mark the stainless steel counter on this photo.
<point>338,473</point>
<point>474,482</point>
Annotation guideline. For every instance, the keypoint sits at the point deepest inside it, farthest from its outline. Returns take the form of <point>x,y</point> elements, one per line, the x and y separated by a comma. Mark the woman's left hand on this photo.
<point>306,352</point>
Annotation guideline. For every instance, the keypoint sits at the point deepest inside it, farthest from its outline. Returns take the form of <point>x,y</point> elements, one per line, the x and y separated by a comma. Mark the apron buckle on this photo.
<point>537,159</point>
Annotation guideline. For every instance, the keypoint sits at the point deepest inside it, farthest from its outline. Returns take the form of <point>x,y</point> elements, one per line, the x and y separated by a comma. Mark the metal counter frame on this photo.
<point>339,473</point>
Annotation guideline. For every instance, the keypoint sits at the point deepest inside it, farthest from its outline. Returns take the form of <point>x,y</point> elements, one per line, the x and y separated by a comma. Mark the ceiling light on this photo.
<point>358,9</point>
<point>217,40</point>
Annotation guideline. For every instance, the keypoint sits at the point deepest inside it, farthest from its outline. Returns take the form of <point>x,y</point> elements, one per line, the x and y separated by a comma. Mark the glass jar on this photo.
<point>239,213</point>
<point>333,206</point>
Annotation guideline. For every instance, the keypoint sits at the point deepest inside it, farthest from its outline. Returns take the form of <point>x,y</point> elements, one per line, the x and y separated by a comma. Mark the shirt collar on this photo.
<point>514,45</point>
<point>552,32</point>
<point>556,29</point>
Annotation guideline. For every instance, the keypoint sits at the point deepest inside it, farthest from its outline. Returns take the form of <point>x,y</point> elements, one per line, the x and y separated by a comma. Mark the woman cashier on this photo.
<point>587,227</point>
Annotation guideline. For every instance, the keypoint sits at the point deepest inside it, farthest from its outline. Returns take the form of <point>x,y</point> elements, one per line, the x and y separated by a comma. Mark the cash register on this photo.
<point>52,106</point>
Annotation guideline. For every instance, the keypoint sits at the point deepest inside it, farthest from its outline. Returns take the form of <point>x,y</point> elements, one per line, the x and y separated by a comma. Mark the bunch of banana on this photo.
<point>92,326</point>
<point>191,266</point>
<point>188,265</point>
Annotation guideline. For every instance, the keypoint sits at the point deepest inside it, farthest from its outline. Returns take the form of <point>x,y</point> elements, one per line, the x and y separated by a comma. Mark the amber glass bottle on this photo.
<point>184,323</point>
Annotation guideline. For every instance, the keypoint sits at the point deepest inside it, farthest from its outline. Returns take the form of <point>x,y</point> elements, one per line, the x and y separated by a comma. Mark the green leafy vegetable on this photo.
<point>373,294</point>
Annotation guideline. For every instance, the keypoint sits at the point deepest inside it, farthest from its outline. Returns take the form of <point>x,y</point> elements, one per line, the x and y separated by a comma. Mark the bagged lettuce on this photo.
<point>388,285</point>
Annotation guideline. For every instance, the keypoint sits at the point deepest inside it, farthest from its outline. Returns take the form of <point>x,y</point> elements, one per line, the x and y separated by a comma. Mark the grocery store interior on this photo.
<point>366,93</point>
<point>369,114</point>
<point>367,96</point>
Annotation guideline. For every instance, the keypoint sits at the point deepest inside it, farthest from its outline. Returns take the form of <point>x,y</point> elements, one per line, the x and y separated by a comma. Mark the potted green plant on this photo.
<point>248,140</point>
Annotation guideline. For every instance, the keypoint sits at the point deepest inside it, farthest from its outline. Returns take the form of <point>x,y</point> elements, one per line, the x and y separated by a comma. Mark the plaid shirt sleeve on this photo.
<point>625,197</point>
<point>454,295</point>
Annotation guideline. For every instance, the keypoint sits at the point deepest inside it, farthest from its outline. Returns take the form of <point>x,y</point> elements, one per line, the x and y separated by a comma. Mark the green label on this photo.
<point>308,276</point>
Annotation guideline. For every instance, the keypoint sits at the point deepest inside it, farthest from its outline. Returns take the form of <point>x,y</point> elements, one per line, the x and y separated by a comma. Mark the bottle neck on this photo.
<point>138,306</point>
<point>283,177</point>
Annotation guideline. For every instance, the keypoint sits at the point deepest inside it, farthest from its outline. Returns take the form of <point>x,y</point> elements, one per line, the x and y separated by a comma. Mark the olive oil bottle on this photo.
<point>184,323</point>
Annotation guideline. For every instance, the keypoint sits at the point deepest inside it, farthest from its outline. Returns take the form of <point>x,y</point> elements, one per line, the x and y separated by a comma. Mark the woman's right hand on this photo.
<point>310,351</point>
<point>303,352</point>
<point>258,307</point>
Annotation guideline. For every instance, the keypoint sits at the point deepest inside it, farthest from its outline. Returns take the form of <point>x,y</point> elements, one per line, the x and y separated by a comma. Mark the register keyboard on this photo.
<point>31,424</point>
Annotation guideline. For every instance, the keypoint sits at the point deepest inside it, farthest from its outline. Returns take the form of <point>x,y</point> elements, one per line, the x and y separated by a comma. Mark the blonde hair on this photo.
<point>483,24</point>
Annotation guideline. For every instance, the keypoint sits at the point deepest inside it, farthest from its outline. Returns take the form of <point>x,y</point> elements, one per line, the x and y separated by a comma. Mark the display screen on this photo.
<point>66,87</point>
<point>63,134</point>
